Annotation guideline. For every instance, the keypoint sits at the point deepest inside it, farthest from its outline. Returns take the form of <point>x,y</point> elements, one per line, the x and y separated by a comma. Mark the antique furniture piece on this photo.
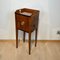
<point>27,21</point>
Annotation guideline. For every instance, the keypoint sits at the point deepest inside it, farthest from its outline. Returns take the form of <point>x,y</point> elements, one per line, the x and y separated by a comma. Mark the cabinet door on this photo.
<point>22,22</point>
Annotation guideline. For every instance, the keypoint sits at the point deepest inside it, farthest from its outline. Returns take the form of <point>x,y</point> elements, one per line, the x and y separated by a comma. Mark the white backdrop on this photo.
<point>48,20</point>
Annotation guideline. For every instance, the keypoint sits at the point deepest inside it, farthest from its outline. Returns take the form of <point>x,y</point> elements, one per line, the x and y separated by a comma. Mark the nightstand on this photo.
<point>27,20</point>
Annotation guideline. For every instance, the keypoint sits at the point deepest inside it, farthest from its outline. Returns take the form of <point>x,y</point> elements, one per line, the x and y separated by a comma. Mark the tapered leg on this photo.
<point>24,36</point>
<point>35,37</point>
<point>29,43</point>
<point>16,38</point>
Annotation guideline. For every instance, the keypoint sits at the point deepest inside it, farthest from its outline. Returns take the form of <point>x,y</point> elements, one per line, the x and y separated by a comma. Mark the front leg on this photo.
<point>29,43</point>
<point>16,38</point>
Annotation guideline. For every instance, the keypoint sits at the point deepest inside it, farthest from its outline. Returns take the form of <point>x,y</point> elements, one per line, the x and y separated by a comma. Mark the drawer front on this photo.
<point>22,22</point>
<point>20,17</point>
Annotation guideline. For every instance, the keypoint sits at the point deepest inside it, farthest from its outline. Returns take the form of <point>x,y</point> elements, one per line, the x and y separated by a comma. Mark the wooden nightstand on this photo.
<point>27,21</point>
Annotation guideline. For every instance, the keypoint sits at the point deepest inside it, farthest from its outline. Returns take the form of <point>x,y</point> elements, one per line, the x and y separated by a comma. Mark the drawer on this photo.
<point>21,17</point>
<point>22,22</point>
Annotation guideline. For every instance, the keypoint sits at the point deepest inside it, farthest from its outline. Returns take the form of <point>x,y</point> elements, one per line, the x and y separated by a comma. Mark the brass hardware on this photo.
<point>22,23</point>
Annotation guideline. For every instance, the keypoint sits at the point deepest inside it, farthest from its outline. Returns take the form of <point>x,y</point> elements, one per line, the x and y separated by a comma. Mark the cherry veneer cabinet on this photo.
<point>27,24</point>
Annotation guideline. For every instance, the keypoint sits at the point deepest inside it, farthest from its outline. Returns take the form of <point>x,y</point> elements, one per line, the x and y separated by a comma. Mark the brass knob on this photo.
<point>22,23</point>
